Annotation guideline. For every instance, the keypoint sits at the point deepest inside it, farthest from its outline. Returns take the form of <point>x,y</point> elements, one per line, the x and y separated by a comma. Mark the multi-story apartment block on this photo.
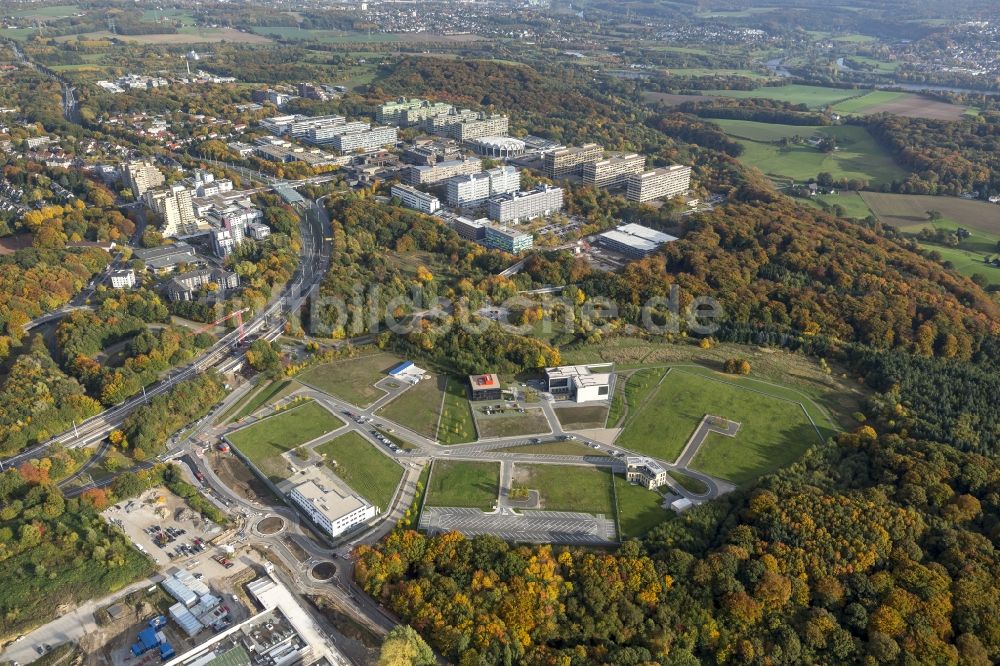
<point>142,177</point>
<point>662,183</point>
<point>521,206</point>
<point>376,137</point>
<point>414,198</point>
<point>476,128</point>
<point>175,206</point>
<point>613,171</point>
<point>441,171</point>
<point>325,134</point>
<point>569,161</point>
<point>508,240</point>
<point>475,189</point>
<point>297,126</point>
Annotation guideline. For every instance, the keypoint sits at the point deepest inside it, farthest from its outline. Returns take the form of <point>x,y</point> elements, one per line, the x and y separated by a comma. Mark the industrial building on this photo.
<point>645,471</point>
<point>475,189</point>
<point>485,387</point>
<point>329,503</point>
<point>581,383</point>
<point>662,183</point>
<point>634,240</point>
<point>518,207</point>
<point>441,171</point>
<point>414,198</point>
<point>569,161</point>
<point>613,171</point>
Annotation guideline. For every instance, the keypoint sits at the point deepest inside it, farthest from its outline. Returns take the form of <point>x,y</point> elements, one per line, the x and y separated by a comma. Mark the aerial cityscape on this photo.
<point>499,332</point>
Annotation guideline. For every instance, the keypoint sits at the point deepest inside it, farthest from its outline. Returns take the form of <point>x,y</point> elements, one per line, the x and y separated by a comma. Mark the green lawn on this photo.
<point>474,485</point>
<point>851,202</point>
<point>688,482</point>
<point>966,262</point>
<point>811,96</point>
<point>869,101</point>
<point>457,426</point>
<point>257,398</point>
<point>569,488</point>
<point>364,468</point>
<point>418,407</point>
<point>512,423</point>
<point>352,379</point>
<point>265,441</point>
<point>858,156</point>
<point>639,509</point>
<point>633,391</point>
<point>581,418</point>
<point>773,432</point>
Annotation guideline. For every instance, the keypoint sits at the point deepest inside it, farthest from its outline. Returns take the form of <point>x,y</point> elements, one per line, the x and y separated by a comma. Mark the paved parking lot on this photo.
<point>526,526</point>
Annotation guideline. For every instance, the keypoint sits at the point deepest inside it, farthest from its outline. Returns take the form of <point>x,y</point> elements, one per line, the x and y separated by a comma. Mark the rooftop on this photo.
<point>484,382</point>
<point>326,493</point>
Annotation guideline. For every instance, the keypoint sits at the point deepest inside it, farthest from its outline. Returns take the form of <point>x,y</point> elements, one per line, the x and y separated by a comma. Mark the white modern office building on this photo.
<point>327,501</point>
<point>581,383</point>
<point>518,207</point>
<point>414,198</point>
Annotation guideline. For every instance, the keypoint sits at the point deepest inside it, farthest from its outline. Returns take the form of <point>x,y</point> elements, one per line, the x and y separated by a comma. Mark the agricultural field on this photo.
<point>569,488</point>
<point>474,485</point>
<point>909,214</point>
<point>419,407</point>
<point>857,156</point>
<point>186,35</point>
<point>774,430</point>
<point>639,509</point>
<point>815,97</point>
<point>851,203</point>
<point>457,424</point>
<point>265,441</point>
<point>293,33</point>
<point>511,423</point>
<point>352,380</point>
<point>900,104</point>
<point>363,467</point>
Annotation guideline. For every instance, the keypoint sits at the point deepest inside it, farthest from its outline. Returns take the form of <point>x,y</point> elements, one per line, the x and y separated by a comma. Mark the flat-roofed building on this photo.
<point>663,183</point>
<point>165,258</point>
<point>475,189</point>
<point>516,207</point>
<point>473,230</point>
<point>481,126</point>
<point>328,502</point>
<point>508,240</point>
<point>645,471</point>
<point>123,278</point>
<point>141,177</point>
<point>176,207</point>
<point>376,137</point>
<point>298,126</point>
<point>634,240</point>
<point>183,287</point>
<point>613,171</point>
<point>485,387</point>
<point>438,124</point>
<point>414,198</point>
<point>501,147</point>
<point>441,171</point>
<point>581,383</point>
<point>416,115</point>
<point>569,161</point>
<point>324,135</point>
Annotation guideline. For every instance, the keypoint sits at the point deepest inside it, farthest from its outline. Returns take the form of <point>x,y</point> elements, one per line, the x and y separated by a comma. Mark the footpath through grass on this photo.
<point>773,431</point>
<point>474,485</point>
<point>569,488</point>
<point>265,441</point>
<point>367,471</point>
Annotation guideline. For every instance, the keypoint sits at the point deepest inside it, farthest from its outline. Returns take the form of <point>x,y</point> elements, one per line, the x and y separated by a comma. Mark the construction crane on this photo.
<point>237,314</point>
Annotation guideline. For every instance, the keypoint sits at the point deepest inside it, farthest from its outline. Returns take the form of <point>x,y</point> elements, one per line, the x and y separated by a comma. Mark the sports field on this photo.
<point>265,441</point>
<point>363,467</point>
<point>568,487</point>
<point>352,379</point>
<point>773,431</point>
<point>474,485</point>
<point>419,406</point>
<point>857,155</point>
